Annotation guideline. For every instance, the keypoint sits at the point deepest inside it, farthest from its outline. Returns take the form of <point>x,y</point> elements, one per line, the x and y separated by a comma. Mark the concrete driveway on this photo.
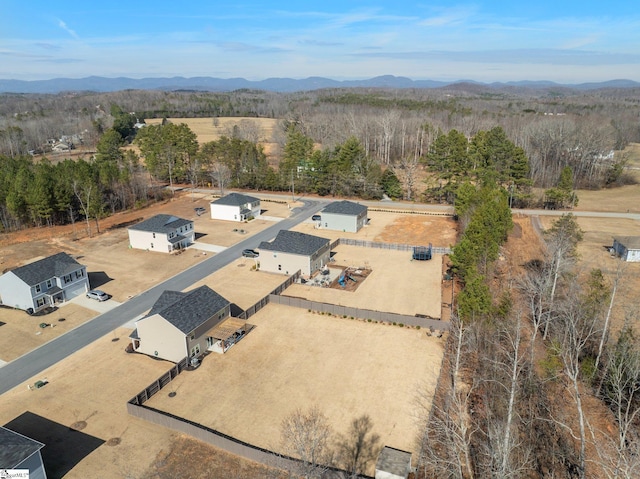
<point>99,307</point>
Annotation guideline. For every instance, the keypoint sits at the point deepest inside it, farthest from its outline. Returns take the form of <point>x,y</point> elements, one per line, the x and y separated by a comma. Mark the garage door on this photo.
<point>75,290</point>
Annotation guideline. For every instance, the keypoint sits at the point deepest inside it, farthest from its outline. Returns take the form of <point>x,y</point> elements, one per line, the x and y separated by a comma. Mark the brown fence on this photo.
<point>349,312</point>
<point>390,246</point>
<point>225,442</point>
<point>412,212</point>
<point>250,311</point>
<point>153,388</point>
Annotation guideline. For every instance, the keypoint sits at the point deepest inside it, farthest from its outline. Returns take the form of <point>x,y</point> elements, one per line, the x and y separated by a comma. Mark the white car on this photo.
<point>97,295</point>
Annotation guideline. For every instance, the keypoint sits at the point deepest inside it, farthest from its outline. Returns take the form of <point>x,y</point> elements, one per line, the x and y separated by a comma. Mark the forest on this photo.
<point>530,355</point>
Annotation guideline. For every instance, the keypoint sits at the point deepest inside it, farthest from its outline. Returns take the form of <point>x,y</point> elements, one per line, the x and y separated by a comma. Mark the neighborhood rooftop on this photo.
<point>235,199</point>
<point>15,448</point>
<point>344,207</point>
<point>58,265</point>
<point>394,461</point>
<point>630,242</point>
<point>161,224</point>
<point>187,311</point>
<point>294,242</point>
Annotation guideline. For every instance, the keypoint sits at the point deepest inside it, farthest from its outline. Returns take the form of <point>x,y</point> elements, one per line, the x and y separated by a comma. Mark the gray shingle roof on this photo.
<point>394,461</point>
<point>295,242</point>
<point>187,311</point>
<point>344,208</point>
<point>630,242</point>
<point>55,266</point>
<point>235,199</point>
<point>15,448</point>
<point>161,224</point>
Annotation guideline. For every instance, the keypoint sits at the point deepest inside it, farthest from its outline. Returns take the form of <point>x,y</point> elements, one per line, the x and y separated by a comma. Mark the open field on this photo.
<point>396,284</point>
<point>295,359</point>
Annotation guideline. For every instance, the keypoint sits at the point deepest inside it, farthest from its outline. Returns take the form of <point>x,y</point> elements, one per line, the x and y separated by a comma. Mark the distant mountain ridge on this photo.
<point>282,85</point>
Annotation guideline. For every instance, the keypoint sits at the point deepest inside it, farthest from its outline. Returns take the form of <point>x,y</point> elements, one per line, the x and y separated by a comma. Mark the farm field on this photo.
<point>295,359</point>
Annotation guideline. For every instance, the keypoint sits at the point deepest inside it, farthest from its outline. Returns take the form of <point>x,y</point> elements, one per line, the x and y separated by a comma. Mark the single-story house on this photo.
<point>183,325</point>
<point>627,247</point>
<point>43,283</point>
<point>344,216</point>
<point>18,452</point>
<point>165,233</point>
<point>235,207</point>
<point>393,464</point>
<point>291,251</point>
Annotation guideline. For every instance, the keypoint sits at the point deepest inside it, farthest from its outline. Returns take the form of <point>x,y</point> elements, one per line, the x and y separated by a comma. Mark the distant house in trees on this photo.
<point>393,464</point>
<point>20,452</point>
<point>291,251</point>
<point>164,233</point>
<point>235,207</point>
<point>344,216</point>
<point>627,247</point>
<point>43,283</point>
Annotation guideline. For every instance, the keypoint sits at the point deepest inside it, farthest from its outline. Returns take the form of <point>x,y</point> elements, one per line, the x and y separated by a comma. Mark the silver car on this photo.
<point>97,295</point>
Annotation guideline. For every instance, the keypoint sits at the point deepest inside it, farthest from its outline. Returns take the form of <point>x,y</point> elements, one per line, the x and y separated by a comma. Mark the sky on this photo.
<point>565,41</point>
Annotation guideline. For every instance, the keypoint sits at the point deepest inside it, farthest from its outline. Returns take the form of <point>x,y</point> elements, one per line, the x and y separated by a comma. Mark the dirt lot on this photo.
<point>396,284</point>
<point>295,359</point>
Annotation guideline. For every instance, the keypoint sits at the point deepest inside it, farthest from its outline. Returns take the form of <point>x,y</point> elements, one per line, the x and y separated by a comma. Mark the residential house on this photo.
<point>235,207</point>
<point>627,247</point>
<point>43,283</point>
<point>344,216</point>
<point>165,233</point>
<point>393,464</point>
<point>18,452</point>
<point>183,325</point>
<point>291,251</point>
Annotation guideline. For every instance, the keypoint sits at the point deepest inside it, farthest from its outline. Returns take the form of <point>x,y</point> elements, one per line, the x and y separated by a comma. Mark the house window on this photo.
<point>279,267</point>
<point>151,245</point>
<point>39,302</point>
<point>38,289</point>
<point>49,284</point>
<point>195,350</point>
<point>80,273</point>
<point>153,235</point>
<point>67,278</point>
<point>171,235</point>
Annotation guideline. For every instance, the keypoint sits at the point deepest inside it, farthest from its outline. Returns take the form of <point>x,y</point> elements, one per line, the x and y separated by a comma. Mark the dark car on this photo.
<point>316,218</point>
<point>97,295</point>
<point>199,210</point>
<point>250,253</point>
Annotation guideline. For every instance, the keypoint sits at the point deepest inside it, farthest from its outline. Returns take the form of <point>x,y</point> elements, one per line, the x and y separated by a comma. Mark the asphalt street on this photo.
<point>25,367</point>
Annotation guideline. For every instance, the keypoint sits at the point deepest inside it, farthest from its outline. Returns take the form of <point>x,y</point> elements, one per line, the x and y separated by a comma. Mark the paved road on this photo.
<point>25,367</point>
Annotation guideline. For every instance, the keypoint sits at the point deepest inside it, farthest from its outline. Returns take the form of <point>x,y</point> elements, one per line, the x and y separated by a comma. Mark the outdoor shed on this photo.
<point>20,452</point>
<point>291,251</point>
<point>627,247</point>
<point>344,216</point>
<point>164,233</point>
<point>179,324</point>
<point>235,207</point>
<point>393,464</point>
<point>46,282</point>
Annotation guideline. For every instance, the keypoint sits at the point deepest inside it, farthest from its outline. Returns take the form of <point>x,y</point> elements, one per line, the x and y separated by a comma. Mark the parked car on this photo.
<point>97,295</point>
<point>250,253</point>
<point>199,210</point>
<point>316,218</point>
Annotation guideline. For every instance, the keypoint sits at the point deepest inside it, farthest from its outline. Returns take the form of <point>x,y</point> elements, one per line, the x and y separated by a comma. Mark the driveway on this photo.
<point>94,305</point>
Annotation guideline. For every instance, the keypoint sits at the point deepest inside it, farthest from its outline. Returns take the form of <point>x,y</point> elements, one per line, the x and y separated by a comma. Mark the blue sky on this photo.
<point>564,41</point>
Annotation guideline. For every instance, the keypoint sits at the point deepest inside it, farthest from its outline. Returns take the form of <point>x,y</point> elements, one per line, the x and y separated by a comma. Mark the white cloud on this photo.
<point>71,32</point>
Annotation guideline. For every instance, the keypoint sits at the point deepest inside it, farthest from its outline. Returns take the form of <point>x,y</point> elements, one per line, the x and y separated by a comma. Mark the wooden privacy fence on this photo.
<point>250,311</point>
<point>367,314</point>
<point>390,246</point>
<point>155,387</point>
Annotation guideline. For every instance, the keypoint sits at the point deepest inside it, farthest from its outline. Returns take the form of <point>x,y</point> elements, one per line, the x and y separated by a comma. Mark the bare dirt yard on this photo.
<point>295,359</point>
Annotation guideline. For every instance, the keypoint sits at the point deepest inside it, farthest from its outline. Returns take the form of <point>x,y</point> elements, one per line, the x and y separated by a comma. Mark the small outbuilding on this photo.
<point>164,233</point>
<point>180,324</point>
<point>627,247</point>
<point>235,207</point>
<point>18,452</point>
<point>43,283</point>
<point>393,464</point>
<point>344,216</point>
<point>291,251</point>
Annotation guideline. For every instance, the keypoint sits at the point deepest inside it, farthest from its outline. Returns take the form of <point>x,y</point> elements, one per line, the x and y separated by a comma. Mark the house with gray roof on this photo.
<point>46,282</point>
<point>164,233</point>
<point>344,216</point>
<point>393,464</point>
<point>235,207</point>
<point>291,251</point>
<point>627,248</point>
<point>182,324</point>
<point>20,452</point>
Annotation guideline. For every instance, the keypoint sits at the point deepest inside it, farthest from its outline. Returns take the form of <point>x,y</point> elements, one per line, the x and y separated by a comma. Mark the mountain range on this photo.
<point>283,85</point>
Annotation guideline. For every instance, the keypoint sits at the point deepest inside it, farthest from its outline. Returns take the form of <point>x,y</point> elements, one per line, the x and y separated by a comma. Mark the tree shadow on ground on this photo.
<point>64,447</point>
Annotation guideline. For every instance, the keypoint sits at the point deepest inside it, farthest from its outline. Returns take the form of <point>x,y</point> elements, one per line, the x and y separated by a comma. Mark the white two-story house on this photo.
<point>164,233</point>
<point>43,283</point>
<point>235,207</point>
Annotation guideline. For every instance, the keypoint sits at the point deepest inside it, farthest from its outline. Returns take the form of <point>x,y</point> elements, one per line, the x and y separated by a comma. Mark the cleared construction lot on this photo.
<point>296,359</point>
